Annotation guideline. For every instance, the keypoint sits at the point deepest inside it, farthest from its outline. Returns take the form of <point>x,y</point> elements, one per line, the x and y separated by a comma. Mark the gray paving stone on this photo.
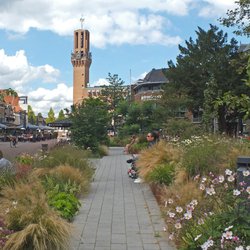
<point>118,214</point>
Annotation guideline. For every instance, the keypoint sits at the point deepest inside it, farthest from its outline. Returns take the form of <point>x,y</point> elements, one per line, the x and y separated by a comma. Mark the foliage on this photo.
<point>4,233</point>
<point>26,211</point>
<point>90,122</point>
<point>140,117</point>
<point>137,147</point>
<point>220,219</point>
<point>31,115</point>
<point>162,174</point>
<point>61,115</point>
<point>51,116</point>
<point>182,128</point>
<point>67,204</point>
<point>161,153</point>
<point>239,18</point>
<point>25,158</point>
<point>206,64</point>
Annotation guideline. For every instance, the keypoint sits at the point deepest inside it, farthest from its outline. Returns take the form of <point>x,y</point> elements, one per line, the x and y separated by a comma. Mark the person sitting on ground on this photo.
<point>152,139</point>
<point>5,165</point>
<point>128,146</point>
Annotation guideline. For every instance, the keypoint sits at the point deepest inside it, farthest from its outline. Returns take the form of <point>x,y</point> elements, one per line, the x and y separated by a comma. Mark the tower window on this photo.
<point>76,40</point>
<point>82,38</point>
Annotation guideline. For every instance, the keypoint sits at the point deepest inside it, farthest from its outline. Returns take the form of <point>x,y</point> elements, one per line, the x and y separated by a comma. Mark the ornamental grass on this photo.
<point>25,210</point>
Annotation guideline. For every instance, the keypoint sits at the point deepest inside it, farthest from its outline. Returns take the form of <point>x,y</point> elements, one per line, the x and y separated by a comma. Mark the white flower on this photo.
<point>14,203</point>
<point>207,244</point>
<point>228,235</point>
<point>171,236</point>
<point>188,216</point>
<point>231,178</point>
<point>194,203</point>
<point>171,215</point>
<point>221,178</point>
<point>228,172</point>
<point>239,248</point>
<point>203,179</point>
<point>246,172</point>
<point>248,190</point>
<point>178,225</point>
<point>248,248</point>
<point>201,222</point>
<point>7,210</point>
<point>179,209</point>
<point>197,237</point>
<point>164,229</point>
<point>236,192</point>
<point>170,201</point>
<point>202,187</point>
<point>210,191</point>
<point>226,229</point>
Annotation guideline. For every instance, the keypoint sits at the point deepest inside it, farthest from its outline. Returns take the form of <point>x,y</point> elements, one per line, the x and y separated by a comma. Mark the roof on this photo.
<point>155,76</point>
<point>61,123</point>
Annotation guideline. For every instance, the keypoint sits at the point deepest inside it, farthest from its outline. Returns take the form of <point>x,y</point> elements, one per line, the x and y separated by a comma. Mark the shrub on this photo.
<point>219,219</point>
<point>4,233</point>
<point>67,204</point>
<point>161,153</point>
<point>26,211</point>
<point>25,159</point>
<point>162,174</point>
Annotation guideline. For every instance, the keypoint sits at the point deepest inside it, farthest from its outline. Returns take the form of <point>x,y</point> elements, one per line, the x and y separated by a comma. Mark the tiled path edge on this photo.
<point>118,214</point>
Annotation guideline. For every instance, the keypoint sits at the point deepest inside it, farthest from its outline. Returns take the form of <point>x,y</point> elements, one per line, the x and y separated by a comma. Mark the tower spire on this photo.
<point>81,20</point>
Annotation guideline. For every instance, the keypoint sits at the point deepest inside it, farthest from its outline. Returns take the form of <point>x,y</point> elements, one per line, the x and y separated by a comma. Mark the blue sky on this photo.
<point>126,36</point>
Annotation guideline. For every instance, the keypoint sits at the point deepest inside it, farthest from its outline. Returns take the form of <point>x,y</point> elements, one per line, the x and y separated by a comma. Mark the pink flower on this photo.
<point>248,190</point>
<point>171,215</point>
<point>188,216</point>
<point>228,235</point>
<point>171,236</point>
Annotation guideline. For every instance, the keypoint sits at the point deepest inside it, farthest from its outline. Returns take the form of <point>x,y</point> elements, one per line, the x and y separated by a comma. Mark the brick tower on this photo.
<point>81,61</point>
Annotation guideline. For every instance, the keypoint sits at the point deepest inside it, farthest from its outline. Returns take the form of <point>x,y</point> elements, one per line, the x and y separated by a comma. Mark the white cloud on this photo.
<point>16,72</point>
<point>110,22</point>
<point>100,82</point>
<point>215,8</point>
<point>58,98</point>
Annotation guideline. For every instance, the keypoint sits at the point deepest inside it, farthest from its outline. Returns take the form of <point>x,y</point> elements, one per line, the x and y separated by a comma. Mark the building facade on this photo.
<point>81,60</point>
<point>150,88</point>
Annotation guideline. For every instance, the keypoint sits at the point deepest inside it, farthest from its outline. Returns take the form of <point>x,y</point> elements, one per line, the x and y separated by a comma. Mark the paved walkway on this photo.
<point>118,214</point>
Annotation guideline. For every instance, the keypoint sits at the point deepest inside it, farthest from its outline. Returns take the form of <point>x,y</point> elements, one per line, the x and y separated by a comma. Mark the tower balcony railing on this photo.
<point>81,55</point>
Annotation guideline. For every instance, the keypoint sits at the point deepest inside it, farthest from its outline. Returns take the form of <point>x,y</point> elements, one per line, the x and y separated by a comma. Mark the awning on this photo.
<point>2,126</point>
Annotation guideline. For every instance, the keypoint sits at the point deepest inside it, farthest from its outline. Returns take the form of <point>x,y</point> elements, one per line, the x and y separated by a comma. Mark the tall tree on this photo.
<point>202,62</point>
<point>61,115</point>
<point>90,121</point>
<point>239,18</point>
<point>31,115</point>
<point>112,94</point>
<point>51,116</point>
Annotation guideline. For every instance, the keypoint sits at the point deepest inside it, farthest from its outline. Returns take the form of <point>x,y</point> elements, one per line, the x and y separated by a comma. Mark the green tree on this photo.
<point>239,18</point>
<point>112,94</point>
<point>31,115</point>
<point>61,115</point>
<point>51,116</point>
<point>90,121</point>
<point>202,62</point>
